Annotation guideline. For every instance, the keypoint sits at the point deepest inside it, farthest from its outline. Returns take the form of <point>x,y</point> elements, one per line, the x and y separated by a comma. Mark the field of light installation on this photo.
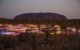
<point>16,29</point>
<point>39,24</point>
<point>27,34</point>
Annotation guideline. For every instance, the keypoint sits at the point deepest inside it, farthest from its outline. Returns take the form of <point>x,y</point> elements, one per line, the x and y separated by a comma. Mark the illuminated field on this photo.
<point>16,29</point>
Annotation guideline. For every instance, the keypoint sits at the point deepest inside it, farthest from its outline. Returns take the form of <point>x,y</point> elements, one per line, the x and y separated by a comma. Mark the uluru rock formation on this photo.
<point>41,16</point>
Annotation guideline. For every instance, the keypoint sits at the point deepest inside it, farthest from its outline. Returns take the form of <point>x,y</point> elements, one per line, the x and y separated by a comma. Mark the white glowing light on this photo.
<point>73,29</point>
<point>56,26</point>
<point>58,32</point>
<point>52,33</point>
<point>68,27</point>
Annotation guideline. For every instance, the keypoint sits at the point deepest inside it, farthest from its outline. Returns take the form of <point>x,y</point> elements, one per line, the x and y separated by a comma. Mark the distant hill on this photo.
<point>2,18</point>
<point>41,16</point>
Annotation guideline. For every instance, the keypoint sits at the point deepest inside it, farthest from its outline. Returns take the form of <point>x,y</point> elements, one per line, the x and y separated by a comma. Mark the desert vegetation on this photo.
<point>34,41</point>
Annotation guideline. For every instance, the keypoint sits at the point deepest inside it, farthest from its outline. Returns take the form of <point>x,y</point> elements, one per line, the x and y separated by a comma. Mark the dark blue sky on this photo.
<point>11,8</point>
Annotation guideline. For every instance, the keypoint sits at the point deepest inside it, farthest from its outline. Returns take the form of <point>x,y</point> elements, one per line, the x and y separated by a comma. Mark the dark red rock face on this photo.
<point>41,16</point>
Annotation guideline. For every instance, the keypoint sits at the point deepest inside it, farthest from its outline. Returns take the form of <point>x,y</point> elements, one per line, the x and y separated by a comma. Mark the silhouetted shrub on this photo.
<point>9,41</point>
<point>25,37</point>
<point>34,41</point>
<point>31,41</point>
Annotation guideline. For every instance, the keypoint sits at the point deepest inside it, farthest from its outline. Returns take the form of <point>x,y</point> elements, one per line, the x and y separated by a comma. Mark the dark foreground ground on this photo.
<point>30,41</point>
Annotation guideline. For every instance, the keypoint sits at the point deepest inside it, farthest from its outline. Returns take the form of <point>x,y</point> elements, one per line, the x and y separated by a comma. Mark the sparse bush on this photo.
<point>34,41</point>
<point>9,41</point>
<point>31,41</point>
<point>27,37</point>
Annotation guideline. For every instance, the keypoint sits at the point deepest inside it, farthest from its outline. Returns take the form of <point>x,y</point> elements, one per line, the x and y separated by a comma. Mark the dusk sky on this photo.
<point>11,8</point>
